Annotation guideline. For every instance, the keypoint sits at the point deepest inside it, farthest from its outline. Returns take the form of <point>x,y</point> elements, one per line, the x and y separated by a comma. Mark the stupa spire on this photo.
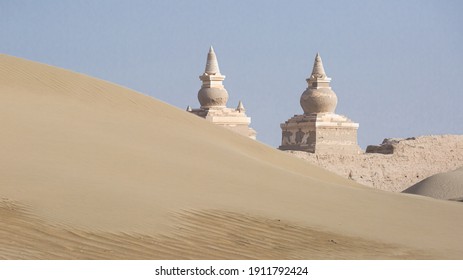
<point>318,72</point>
<point>240,107</point>
<point>212,65</point>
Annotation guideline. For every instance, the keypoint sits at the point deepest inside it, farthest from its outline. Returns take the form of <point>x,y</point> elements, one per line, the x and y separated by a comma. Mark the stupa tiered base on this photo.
<point>322,133</point>
<point>233,119</point>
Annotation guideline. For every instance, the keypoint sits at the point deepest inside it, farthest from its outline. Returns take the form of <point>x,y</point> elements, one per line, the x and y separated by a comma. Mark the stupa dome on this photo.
<point>318,97</point>
<point>212,97</point>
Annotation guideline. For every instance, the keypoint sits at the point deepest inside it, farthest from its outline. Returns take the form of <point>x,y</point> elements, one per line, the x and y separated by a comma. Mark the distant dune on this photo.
<point>89,169</point>
<point>448,185</point>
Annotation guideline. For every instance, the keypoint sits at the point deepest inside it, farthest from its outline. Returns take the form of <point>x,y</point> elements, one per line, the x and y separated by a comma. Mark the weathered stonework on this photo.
<point>319,129</point>
<point>410,161</point>
<point>387,147</point>
<point>213,98</point>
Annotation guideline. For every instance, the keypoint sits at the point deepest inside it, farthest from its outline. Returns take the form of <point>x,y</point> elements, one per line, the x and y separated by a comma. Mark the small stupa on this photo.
<point>319,130</point>
<point>213,99</point>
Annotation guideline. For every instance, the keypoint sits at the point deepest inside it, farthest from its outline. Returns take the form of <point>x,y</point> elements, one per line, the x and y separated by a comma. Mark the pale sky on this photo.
<point>396,66</point>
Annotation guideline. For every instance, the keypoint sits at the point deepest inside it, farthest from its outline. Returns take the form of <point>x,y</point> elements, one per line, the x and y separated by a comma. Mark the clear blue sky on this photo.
<point>397,66</point>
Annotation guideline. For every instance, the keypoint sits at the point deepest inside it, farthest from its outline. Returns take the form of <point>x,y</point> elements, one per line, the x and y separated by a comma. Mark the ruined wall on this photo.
<point>411,161</point>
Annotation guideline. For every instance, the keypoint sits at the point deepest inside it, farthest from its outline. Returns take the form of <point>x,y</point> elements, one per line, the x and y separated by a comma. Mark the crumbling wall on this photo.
<point>397,163</point>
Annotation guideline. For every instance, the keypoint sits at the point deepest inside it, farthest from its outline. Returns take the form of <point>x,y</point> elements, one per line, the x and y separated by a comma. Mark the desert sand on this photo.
<point>92,170</point>
<point>447,185</point>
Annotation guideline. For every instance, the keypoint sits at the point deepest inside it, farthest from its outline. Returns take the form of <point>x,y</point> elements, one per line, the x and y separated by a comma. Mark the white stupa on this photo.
<point>213,99</point>
<point>319,129</point>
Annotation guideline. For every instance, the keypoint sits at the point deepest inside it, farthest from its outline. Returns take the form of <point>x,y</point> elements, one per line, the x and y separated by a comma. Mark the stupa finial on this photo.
<point>318,71</point>
<point>212,66</point>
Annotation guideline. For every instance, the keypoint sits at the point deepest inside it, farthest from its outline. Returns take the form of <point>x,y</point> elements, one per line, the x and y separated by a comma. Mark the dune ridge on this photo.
<point>90,158</point>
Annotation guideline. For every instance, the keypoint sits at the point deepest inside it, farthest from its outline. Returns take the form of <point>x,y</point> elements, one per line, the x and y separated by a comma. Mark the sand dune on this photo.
<point>90,169</point>
<point>197,235</point>
<point>447,185</point>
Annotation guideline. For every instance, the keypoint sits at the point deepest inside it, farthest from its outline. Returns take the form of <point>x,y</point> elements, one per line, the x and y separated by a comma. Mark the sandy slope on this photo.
<point>89,169</point>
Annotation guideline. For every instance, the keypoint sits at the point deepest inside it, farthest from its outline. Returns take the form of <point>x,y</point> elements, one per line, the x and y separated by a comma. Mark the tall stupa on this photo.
<point>319,130</point>
<point>213,99</point>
